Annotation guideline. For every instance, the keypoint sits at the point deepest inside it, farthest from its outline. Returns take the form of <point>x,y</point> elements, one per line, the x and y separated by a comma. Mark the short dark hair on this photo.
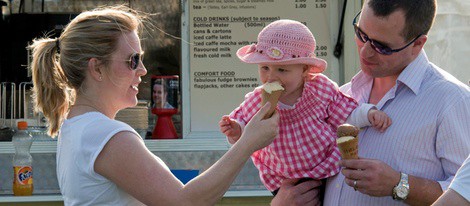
<point>419,14</point>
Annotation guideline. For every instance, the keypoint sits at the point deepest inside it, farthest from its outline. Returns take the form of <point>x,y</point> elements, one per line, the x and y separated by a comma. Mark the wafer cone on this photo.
<point>273,98</point>
<point>348,149</point>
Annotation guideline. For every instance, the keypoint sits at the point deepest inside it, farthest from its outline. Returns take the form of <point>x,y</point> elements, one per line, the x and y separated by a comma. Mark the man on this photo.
<point>414,161</point>
<point>160,95</point>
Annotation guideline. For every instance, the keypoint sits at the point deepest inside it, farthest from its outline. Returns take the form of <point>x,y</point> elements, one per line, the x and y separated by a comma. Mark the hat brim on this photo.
<point>317,65</point>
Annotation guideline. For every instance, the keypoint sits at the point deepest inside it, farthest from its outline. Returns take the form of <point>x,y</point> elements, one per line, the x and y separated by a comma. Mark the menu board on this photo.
<point>218,80</point>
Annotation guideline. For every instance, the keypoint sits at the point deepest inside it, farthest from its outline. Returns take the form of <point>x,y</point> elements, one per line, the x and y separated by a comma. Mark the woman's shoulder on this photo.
<point>94,124</point>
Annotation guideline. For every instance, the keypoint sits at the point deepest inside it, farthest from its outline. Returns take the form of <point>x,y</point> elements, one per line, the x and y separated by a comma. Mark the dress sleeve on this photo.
<point>248,108</point>
<point>340,105</point>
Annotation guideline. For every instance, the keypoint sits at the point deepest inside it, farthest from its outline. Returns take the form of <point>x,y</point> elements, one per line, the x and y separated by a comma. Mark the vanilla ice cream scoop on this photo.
<point>344,139</point>
<point>270,93</point>
<point>272,86</point>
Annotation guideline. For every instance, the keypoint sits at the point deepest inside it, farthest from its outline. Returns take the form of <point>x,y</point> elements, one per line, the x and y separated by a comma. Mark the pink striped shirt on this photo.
<point>306,145</point>
<point>429,136</point>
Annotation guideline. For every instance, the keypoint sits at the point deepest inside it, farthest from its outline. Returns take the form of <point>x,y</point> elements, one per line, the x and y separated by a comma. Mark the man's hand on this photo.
<point>305,193</point>
<point>373,177</point>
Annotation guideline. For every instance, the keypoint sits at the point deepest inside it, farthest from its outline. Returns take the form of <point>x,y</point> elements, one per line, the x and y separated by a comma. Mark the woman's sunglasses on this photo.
<point>135,60</point>
<point>377,46</point>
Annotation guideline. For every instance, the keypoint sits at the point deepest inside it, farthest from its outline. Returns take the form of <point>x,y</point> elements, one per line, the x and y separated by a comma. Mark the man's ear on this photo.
<point>419,44</point>
<point>95,69</point>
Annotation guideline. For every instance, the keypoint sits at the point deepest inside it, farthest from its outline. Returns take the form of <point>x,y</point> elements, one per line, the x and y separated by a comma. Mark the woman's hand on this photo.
<point>259,133</point>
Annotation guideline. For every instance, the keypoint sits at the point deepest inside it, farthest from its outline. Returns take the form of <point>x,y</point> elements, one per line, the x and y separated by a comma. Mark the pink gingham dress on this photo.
<point>306,145</point>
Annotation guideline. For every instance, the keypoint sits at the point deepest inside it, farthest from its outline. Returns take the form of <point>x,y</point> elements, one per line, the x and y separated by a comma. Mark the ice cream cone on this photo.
<point>348,147</point>
<point>271,92</point>
<point>273,98</point>
<point>347,130</point>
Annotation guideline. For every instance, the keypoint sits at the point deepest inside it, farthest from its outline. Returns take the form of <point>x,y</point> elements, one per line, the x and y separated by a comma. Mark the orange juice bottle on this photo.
<point>22,161</point>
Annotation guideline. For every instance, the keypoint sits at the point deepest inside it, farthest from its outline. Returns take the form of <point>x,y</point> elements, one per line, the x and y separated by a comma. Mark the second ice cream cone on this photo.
<point>348,147</point>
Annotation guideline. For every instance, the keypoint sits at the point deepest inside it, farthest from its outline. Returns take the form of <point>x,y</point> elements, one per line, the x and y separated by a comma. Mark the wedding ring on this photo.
<point>355,185</point>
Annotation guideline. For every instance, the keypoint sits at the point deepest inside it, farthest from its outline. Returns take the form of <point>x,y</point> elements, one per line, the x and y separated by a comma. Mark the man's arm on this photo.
<point>375,178</point>
<point>422,191</point>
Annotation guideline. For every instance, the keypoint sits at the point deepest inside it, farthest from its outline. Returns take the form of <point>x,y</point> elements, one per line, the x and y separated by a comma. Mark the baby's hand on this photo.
<point>379,119</point>
<point>230,128</point>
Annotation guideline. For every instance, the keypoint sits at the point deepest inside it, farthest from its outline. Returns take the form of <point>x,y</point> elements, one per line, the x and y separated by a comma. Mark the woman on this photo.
<point>81,80</point>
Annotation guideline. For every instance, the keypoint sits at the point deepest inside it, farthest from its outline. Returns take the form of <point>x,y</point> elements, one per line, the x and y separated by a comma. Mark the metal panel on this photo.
<point>45,180</point>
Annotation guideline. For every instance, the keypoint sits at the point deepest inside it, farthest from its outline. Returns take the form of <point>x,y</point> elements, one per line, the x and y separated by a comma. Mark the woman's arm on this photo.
<point>126,161</point>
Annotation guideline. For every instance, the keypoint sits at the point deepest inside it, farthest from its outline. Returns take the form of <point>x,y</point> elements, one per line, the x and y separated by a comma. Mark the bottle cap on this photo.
<point>22,125</point>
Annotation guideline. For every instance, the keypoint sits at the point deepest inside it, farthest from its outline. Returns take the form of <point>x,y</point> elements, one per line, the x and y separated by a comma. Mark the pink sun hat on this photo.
<point>283,42</point>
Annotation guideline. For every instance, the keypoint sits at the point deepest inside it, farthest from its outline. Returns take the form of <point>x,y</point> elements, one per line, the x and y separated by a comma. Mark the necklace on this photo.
<point>86,105</point>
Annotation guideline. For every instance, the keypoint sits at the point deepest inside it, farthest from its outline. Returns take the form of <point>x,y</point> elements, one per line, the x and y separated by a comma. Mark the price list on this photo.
<point>218,28</point>
<point>302,4</point>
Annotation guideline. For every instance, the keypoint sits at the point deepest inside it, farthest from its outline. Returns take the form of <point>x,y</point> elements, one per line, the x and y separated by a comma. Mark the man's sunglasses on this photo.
<point>135,60</point>
<point>377,46</point>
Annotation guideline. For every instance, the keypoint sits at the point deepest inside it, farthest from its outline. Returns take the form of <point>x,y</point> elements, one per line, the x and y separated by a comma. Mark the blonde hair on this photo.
<point>58,66</point>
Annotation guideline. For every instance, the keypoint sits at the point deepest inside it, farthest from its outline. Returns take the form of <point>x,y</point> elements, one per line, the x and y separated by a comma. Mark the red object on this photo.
<point>164,129</point>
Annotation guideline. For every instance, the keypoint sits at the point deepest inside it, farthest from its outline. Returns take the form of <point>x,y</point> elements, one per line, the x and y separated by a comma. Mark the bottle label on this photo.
<point>23,175</point>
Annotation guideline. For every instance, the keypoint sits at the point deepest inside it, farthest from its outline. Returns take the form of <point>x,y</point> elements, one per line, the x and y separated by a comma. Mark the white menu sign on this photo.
<point>218,80</point>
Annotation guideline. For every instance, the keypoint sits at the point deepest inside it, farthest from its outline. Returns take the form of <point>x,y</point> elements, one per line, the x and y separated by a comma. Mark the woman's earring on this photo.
<point>101,78</point>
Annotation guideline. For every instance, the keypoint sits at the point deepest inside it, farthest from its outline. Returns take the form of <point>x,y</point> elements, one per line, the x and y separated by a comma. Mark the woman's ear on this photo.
<point>95,69</point>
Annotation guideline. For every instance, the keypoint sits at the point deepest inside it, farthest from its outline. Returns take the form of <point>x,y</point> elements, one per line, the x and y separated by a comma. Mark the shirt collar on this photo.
<point>412,76</point>
<point>361,85</point>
